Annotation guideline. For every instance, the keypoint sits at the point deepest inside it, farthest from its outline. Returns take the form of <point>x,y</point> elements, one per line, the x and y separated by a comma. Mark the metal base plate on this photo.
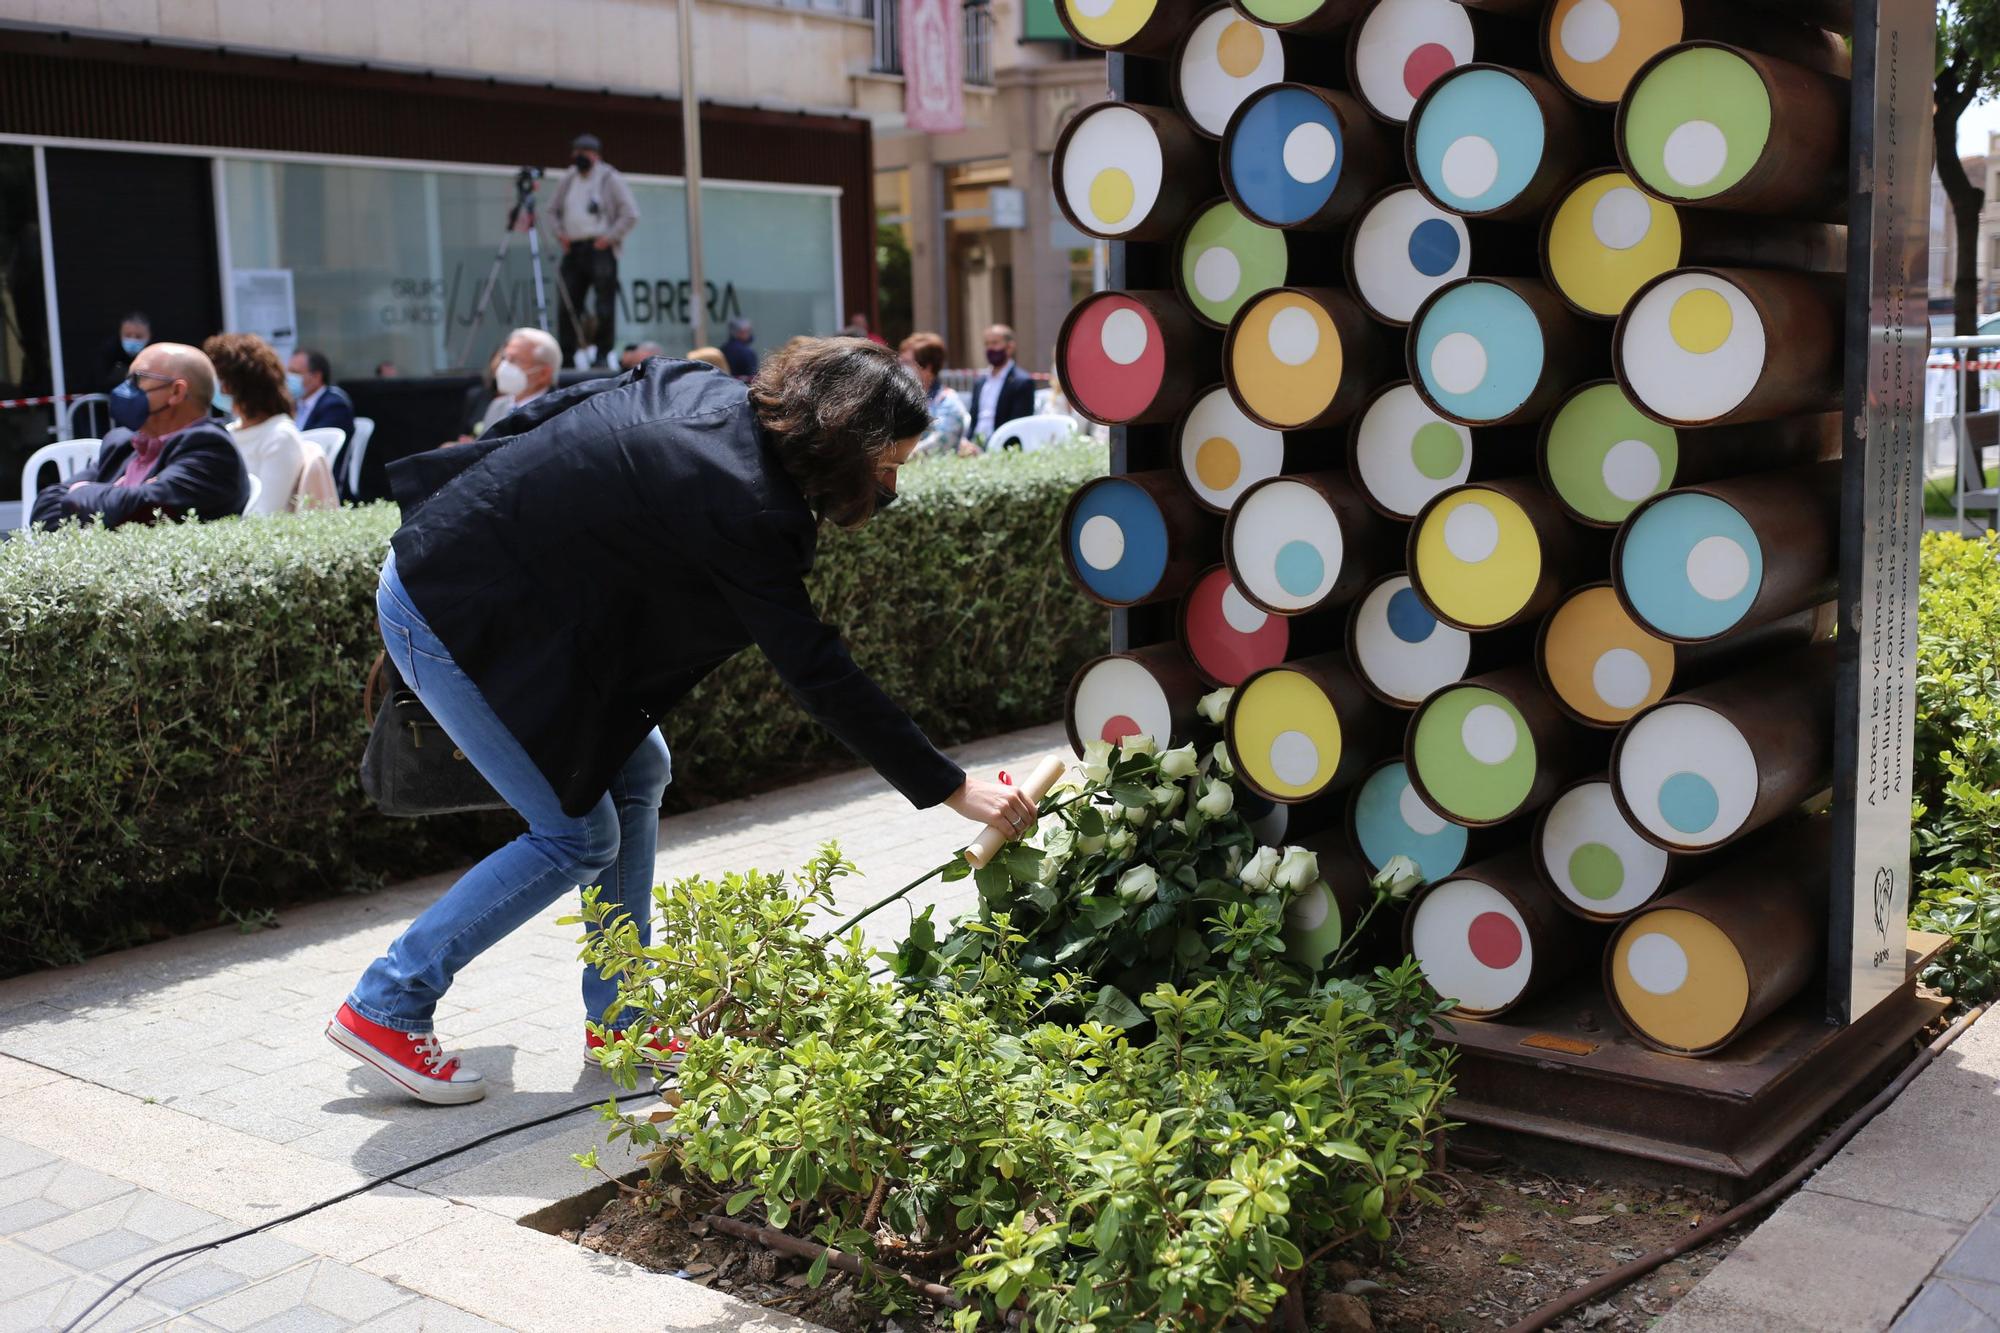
<point>1559,1084</point>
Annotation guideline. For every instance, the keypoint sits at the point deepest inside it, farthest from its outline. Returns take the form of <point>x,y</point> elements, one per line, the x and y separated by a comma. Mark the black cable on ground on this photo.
<point>376,1183</point>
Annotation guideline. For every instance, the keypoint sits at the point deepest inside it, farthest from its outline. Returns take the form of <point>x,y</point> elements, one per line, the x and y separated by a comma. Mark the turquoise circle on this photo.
<point>1653,566</point>
<point>1688,802</point>
<point>1492,105</point>
<point>1509,333</point>
<point>1300,568</point>
<point>1383,833</point>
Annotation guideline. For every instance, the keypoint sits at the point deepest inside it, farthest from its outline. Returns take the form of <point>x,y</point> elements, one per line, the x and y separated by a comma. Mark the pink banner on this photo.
<point>933,78</point>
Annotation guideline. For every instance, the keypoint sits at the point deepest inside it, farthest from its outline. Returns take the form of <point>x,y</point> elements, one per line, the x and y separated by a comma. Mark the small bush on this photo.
<point>180,713</point>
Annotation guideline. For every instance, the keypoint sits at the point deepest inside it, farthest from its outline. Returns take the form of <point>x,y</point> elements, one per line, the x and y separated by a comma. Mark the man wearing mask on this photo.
<point>594,211</point>
<point>1006,393</point>
<point>320,401</point>
<point>742,358</point>
<point>164,459</point>
<point>114,358</point>
<point>527,370</point>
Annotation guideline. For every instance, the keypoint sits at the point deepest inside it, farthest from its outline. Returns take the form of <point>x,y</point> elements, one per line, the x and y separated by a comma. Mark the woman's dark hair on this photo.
<point>250,374</point>
<point>927,350</point>
<point>835,409</point>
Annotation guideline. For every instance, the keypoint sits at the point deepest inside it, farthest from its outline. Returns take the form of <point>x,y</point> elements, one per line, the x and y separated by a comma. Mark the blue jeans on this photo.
<point>613,845</point>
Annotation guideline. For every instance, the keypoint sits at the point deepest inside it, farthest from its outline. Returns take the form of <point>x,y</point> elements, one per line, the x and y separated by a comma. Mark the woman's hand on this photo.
<point>1007,809</point>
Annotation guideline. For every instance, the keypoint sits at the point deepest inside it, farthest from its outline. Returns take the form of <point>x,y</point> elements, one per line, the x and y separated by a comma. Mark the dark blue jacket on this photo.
<point>199,473</point>
<point>334,408</point>
<point>1017,398</point>
<point>596,554</point>
<point>742,358</point>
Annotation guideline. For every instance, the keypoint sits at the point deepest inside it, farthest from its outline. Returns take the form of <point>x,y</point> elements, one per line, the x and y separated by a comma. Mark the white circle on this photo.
<point>1622,678</point>
<point>1471,532</point>
<point>1310,909</point>
<point>1294,758</point>
<point>1621,219</point>
<point>1102,542</point>
<point>1696,153</point>
<point>1310,152</point>
<point>1458,363</point>
<point>1631,470</point>
<point>1489,735</point>
<point>1242,617</point>
<point>1718,568</point>
<point>1423,820</point>
<point>1590,33</point>
<point>1658,964</point>
<point>1294,335</point>
<point>1123,336</point>
<point>1470,166</point>
<point>1093,9</point>
<point>1217,273</point>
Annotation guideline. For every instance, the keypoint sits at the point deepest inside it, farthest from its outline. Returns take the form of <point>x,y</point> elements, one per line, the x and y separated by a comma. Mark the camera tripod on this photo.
<point>523,211</point>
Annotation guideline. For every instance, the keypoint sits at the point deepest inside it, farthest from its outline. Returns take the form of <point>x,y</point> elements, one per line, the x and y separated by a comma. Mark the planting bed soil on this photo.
<point>1505,1242</point>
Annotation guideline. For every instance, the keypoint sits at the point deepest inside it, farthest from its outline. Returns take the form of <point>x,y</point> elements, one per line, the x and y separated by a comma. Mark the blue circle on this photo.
<point>1488,104</point>
<point>1409,620</point>
<point>1300,568</point>
<point>1653,565</point>
<point>1434,247</point>
<point>1509,333</point>
<point>1144,560</point>
<point>1382,831</point>
<point>1688,802</point>
<point>1254,157</point>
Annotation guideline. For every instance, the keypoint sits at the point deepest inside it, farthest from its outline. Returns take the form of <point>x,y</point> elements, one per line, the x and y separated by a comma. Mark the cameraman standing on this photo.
<point>594,211</point>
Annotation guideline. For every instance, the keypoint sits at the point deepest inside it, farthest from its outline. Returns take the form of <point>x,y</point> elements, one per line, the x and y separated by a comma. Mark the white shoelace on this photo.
<point>427,1046</point>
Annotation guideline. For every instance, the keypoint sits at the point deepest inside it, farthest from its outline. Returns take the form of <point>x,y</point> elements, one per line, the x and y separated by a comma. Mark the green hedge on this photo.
<point>180,714</point>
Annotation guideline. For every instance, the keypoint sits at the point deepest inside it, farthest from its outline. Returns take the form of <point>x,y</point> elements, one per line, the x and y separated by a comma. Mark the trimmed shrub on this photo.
<point>181,721</point>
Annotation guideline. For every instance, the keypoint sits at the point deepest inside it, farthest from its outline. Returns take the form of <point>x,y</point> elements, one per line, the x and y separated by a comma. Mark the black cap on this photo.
<point>589,141</point>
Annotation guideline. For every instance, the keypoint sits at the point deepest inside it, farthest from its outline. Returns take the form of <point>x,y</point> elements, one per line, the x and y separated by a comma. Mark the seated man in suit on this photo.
<point>166,459</point>
<point>1006,393</point>
<point>320,401</point>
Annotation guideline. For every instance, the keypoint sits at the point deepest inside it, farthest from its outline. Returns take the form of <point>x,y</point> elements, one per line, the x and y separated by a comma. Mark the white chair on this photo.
<point>69,456</point>
<point>256,492</point>
<point>357,448</point>
<point>1032,434</point>
<point>329,439</point>
<point>94,408</point>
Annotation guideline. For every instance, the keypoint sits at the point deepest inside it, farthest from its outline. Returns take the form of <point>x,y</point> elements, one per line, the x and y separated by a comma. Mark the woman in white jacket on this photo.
<point>291,469</point>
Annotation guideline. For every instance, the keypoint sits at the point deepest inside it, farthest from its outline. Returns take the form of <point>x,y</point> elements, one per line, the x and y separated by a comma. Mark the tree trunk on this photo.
<point>1967,199</point>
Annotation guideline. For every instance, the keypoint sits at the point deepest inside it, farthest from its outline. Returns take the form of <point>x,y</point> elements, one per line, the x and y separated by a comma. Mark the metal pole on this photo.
<point>691,153</point>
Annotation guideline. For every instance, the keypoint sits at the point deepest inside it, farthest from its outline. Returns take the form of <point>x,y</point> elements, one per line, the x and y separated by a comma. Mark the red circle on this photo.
<point>1221,650</point>
<point>1105,390</point>
<point>1118,727</point>
<point>1425,65</point>
<point>1494,940</point>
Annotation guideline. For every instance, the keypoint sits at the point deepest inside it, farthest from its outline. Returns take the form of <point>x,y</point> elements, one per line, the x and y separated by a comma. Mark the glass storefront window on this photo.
<point>388,262</point>
<point>25,370</point>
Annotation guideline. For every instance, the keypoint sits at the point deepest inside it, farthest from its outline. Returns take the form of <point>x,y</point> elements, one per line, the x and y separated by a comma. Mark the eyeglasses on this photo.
<point>132,380</point>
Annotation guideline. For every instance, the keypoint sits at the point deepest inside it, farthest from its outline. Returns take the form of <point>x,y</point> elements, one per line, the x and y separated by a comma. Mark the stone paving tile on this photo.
<point>427,1316</point>
<point>320,1294</point>
<point>55,1306</point>
<point>23,1271</point>
<point>18,1157</point>
<point>64,1184</point>
<point>1978,1255</point>
<point>1945,1306</point>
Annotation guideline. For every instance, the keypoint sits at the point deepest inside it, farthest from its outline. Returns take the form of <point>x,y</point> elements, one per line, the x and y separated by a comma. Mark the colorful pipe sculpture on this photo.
<point>1491,936</point>
<point>1136,538</point>
<point>1297,543</point>
<point>1148,692</point>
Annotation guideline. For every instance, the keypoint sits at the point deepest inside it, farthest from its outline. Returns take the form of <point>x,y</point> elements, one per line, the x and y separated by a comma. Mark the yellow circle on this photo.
<point>1281,718</point>
<point>1707,1006</point>
<point>1284,396</point>
<point>1218,464</point>
<point>1111,195</point>
<point>1583,629</point>
<point>1118,24</point>
<point>1239,49</point>
<point>1478,594</point>
<point>1645,28</point>
<point>1700,321</point>
<point>1598,276</point>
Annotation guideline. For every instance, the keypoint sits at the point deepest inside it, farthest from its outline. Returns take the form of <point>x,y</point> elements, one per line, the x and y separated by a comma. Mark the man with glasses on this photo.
<point>165,459</point>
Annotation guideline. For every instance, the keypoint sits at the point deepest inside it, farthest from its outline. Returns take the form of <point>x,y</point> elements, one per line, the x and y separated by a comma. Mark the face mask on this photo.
<point>510,379</point>
<point>884,497</point>
<point>295,384</point>
<point>582,162</point>
<point>224,403</point>
<point>132,346</point>
<point>996,357</point>
<point>129,405</point>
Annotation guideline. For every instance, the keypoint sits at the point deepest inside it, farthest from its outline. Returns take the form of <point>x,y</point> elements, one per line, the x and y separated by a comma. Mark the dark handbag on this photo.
<point>411,767</point>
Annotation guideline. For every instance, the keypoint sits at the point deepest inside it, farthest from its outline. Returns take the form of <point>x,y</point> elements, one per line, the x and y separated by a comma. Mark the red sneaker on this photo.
<point>671,1047</point>
<point>411,1059</point>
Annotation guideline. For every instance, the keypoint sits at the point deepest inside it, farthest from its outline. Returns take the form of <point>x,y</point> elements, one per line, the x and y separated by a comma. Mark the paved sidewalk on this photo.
<point>1900,1230</point>
<point>169,1094</point>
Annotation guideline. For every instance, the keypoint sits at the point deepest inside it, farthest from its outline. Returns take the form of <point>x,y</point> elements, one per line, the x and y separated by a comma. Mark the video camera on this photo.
<point>524,181</point>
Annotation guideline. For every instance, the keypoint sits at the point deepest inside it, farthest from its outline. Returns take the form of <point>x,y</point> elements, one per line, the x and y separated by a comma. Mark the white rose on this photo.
<point>1119,840</point>
<point>1140,884</point>
<point>1219,757</point>
<point>1178,763</point>
<point>1167,799</point>
<point>1136,817</point>
<point>1398,879</point>
<point>1218,800</point>
<point>1296,869</point>
<point>1096,760</point>
<point>1179,826</point>
<point>1090,846</point>
<point>1140,744</point>
<point>1257,874</point>
<point>1215,705</point>
<point>1233,862</point>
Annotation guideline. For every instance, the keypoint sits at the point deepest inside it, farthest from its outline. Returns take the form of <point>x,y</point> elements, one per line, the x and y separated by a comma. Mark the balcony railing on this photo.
<point>978,39</point>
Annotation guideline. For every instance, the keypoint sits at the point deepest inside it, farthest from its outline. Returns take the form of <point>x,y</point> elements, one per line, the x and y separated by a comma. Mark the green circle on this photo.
<point>1281,11</point>
<point>1311,948</point>
<point>1585,430</point>
<point>1465,787</point>
<point>1596,871</point>
<point>1704,83</point>
<point>1437,450</point>
<point>1262,258</point>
